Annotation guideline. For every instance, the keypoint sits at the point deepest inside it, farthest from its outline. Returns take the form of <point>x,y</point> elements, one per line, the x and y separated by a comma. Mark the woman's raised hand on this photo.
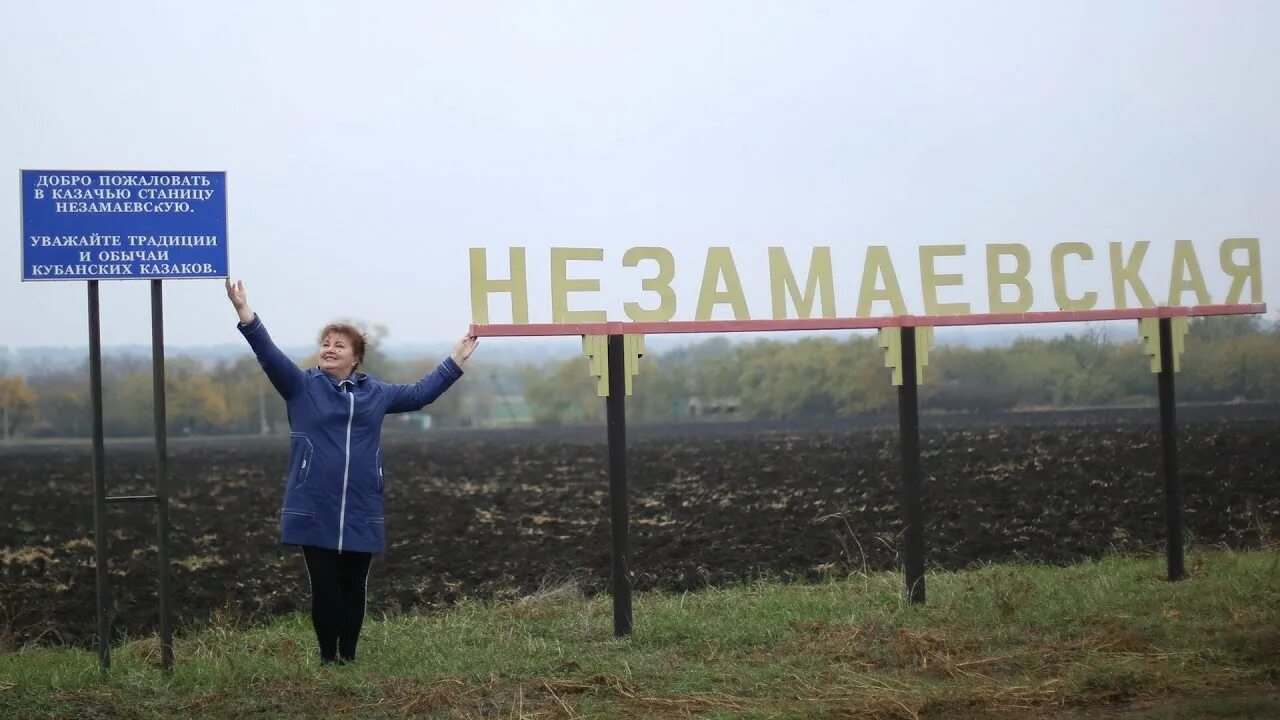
<point>235,293</point>
<point>463,348</point>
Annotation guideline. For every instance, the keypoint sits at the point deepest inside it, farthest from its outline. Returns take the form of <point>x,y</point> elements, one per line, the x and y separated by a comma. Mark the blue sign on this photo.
<point>107,225</point>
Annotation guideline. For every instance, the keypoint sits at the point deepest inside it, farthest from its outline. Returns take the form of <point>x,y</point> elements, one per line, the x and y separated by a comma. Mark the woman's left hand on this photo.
<point>463,348</point>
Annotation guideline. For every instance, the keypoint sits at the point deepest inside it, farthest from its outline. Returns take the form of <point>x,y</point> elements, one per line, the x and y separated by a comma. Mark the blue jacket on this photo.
<point>333,494</point>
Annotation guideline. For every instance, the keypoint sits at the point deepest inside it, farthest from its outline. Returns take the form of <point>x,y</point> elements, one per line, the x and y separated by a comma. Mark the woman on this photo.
<point>333,497</point>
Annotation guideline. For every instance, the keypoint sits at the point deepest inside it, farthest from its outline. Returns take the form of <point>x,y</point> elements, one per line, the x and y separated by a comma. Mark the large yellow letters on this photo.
<point>660,283</point>
<point>996,279</point>
<point>878,263</point>
<point>720,263</point>
<point>1251,270</point>
<point>1123,273</point>
<point>931,280</point>
<point>481,286</point>
<point>814,295</point>
<point>561,285</point>
<point>1184,262</point>
<point>1058,264</point>
<point>782,282</point>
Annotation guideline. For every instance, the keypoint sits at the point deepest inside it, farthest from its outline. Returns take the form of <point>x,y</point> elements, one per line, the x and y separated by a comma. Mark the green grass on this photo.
<point>1003,641</point>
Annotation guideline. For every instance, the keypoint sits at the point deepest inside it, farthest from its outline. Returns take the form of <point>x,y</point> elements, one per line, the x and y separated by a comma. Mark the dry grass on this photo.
<point>1010,642</point>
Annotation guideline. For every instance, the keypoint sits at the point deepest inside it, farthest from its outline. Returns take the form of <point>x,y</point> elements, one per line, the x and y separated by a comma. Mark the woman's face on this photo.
<point>337,357</point>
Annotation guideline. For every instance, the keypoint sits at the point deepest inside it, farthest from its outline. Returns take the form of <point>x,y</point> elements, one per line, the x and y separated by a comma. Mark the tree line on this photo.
<point>231,397</point>
<point>1228,358</point>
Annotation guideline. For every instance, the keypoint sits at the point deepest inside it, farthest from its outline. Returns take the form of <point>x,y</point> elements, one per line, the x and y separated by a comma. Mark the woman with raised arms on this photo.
<point>332,506</point>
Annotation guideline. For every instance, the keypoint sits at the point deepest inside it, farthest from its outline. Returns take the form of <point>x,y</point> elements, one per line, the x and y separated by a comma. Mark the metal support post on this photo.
<point>616,410</point>
<point>909,434</point>
<point>99,482</point>
<point>162,471</point>
<point>1169,443</point>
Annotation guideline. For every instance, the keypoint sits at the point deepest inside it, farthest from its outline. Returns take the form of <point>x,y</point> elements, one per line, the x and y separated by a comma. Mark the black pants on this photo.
<point>338,582</point>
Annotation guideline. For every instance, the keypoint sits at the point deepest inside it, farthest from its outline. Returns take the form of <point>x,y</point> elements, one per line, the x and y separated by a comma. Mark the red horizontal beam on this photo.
<point>719,326</point>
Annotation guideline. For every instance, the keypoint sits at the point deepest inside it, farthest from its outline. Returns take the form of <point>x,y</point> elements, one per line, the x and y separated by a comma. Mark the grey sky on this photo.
<point>368,145</point>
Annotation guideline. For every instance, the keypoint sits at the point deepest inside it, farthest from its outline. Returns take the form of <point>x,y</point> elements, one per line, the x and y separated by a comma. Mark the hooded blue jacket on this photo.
<point>333,494</point>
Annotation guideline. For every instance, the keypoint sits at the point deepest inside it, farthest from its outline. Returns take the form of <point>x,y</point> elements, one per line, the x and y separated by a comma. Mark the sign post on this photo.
<point>1169,447</point>
<point>111,225</point>
<point>99,483</point>
<point>906,339</point>
<point>909,440</point>
<point>162,471</point>
<point>616,409</point>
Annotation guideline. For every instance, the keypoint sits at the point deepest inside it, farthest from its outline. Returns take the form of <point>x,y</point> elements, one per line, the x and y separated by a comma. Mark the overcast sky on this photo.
<point>368,145</point>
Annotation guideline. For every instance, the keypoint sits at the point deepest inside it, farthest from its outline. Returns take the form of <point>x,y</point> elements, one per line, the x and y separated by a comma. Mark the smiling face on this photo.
<point>339,354</point>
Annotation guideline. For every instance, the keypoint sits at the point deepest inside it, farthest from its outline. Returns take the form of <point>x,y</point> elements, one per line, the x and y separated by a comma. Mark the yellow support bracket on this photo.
<point>596,348</point>
<point>1149,329</point>
<point>891,341</point>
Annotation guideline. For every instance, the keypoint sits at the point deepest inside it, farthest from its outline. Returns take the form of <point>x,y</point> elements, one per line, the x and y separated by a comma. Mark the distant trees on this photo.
<point>252,405</point>
<point>1226,359</point>
<point>17,404</point>
<point>1229,358</point>
<point>562,394</point>
<point>62,403</point>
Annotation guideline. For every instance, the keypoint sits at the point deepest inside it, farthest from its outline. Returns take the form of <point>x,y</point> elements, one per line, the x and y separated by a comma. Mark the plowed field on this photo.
<point>497,514</point>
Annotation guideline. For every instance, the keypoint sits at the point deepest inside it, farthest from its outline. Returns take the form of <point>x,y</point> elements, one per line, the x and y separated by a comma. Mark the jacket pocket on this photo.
<point>300,456</point>
<point>378,462</point>
<point>299,527</point>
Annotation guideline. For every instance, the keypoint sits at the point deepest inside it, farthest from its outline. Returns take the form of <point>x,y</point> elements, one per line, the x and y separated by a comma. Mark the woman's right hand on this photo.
<point>236,294</point>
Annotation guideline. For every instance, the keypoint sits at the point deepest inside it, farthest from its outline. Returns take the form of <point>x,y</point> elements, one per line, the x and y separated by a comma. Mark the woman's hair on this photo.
<point>353,336</point>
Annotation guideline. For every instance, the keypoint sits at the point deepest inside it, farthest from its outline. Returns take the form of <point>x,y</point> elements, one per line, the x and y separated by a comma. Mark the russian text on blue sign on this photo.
<point>108,225</point>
